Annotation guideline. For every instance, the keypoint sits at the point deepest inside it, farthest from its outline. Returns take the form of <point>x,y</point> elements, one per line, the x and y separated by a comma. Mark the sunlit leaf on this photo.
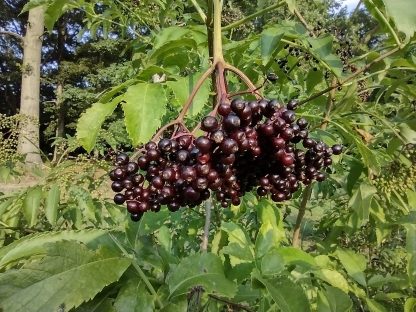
<point>145,104</point>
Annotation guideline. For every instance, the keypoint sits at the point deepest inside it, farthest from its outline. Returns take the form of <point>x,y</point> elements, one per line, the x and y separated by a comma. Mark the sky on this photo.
<point>351,4</point>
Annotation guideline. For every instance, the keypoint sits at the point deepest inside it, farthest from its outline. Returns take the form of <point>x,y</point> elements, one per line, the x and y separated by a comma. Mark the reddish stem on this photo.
<point>245,79</point>
<point>198,85</point>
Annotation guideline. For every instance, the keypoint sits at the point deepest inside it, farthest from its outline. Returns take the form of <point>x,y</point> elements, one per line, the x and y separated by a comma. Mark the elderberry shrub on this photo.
<point>250,146</point>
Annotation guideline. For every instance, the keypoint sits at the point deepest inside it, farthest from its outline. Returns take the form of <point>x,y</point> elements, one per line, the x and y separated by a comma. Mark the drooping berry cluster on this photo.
<point>256,145</point>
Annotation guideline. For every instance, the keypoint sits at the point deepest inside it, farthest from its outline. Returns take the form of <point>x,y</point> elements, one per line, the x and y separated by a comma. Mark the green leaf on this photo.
<point>31,205</point>
<point>355,264</point>
<point>164,237</point>
<point>54,11</point>
<point>169,34</point>
<point>204,270</point>
<point>408,133</point>
<point>313,79</point>
<point>291,4</point>
<point>269,41</point>
<point>410,305</point>
<point>333,278</point>
<point>411,238</point>
<point>91,121</point>
<point>295,256</point>
<point>374,306</point>
<point>288,296</point>
<point>360,202</point>
<point>68,275</point>
<point>145,104</point>
<point>33,4</point>
<point>52,202</point>
<point>369,159</point>
<point>35,244</point>
<point>322,50</point>
<point>239,248</point>
<point>411,268</point>
<point>5,205</point>
<point>160,54</point>
<point>271,233</point>
<point>183,87</point>
<point>134,297</point>
<point>404,15</point>
<point>272,263</point>
<point>333,300</point>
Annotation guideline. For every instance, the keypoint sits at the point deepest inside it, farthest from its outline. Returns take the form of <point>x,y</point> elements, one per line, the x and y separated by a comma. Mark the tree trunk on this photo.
<point>29,99</point>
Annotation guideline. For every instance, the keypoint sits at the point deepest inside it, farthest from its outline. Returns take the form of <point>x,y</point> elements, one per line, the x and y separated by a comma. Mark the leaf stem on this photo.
<point>199,10</point>
<point>244,78</point>
<point>254,15</point>
<point>198,85</point>
<point>386,22</point>
<point>139,270</point>
<point>302,209</point>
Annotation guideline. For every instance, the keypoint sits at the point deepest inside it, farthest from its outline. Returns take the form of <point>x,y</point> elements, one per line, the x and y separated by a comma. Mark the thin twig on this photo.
<point>254,15</point>
<point>205,237</point>
<point>12,34</point>
<point>232,304</point>
<point>302,209</point>
<point>356,74</point>
<point>329,104</point>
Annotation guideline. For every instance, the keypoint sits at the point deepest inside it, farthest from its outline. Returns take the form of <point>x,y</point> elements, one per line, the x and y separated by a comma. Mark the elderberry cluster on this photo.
<point>255,145</point>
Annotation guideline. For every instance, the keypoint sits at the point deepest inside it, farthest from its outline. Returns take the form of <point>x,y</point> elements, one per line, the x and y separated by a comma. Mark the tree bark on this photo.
<point>29,98</point>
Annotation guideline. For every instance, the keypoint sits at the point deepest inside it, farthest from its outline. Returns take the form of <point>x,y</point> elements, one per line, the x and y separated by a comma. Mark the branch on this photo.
<point>12,34</point>
<point>205,237</point>
<point>302,208</point>
<point>254,15</point>
<point>352,77</point>
<point>232,304</point>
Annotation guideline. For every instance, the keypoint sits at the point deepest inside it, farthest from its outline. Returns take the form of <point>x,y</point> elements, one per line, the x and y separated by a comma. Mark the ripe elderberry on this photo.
<point>255,146</point>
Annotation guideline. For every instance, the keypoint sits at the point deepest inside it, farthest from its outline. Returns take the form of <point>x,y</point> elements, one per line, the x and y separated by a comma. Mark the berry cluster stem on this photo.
<point>218,69</point>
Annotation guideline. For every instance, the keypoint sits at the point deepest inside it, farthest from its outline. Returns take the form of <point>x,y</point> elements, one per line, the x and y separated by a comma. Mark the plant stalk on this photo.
<point>205,237</point>
<point>302,209</point>
<point>217,35</point>
<point>139,271</point>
